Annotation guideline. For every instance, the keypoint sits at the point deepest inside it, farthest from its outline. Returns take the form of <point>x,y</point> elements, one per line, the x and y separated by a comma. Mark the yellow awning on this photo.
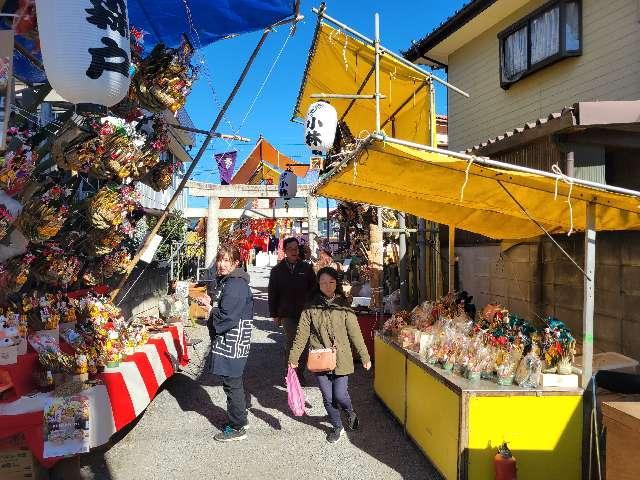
<point>341,64</point>
<point>428,185</point>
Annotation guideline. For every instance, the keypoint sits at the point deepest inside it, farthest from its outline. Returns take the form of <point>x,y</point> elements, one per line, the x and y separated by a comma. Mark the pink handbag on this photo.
<point>294,393</point>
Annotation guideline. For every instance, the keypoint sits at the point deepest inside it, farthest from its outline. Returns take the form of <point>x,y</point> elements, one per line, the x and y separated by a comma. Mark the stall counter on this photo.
<point>459,424</point>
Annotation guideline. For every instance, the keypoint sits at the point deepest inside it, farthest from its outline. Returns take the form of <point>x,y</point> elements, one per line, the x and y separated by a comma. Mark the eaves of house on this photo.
<point>463,26</point>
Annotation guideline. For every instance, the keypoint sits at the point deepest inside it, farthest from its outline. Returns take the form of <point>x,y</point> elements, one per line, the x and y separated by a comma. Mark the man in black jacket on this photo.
<point>291,284</point>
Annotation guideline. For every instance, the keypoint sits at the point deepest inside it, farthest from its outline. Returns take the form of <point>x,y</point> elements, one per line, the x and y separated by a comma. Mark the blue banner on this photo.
<point>166,21</point>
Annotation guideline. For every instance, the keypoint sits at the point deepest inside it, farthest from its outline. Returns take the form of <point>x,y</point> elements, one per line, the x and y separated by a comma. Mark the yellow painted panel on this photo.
<point>544,433</point>
<point>389,380</point>
<point>433,419</point>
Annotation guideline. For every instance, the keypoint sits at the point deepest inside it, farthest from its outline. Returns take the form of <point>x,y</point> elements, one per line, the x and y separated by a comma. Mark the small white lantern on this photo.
<point>320,129</point>
<point>288,184</point>
<point>85,49</point>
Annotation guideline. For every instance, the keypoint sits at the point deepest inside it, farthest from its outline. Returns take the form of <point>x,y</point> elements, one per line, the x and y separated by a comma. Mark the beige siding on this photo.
<point>609,69</point>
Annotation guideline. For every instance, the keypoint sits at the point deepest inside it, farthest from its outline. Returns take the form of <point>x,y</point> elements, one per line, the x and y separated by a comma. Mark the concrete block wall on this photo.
<point>537,278</point>
<point>143,298</point>
<point>509,275</point>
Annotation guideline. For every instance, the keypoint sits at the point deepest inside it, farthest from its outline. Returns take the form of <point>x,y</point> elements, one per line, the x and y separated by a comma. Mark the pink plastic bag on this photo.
<point>295,393</point>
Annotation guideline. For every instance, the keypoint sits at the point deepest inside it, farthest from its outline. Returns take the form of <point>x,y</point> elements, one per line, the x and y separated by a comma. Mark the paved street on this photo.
<point>174,437</point>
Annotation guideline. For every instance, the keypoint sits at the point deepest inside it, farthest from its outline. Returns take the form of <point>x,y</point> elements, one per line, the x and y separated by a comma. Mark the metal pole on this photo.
<point>433,124</point>
<point>328,229</point>
<point>438,261</point>
<point>452,258</point>
<point>376,46</point>
<point>402,262</point>
<point>171,262</point>
<point>192,167</point>
<point>422,281</point>
<point>345,96</point>
<point>225,136</point>
<point>589,281</point>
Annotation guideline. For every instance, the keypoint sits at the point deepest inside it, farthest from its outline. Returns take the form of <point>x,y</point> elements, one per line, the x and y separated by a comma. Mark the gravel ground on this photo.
<point>174,437</point>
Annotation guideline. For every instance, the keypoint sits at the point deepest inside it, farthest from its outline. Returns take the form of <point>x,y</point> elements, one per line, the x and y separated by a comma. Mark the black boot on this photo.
<point>354,421</point>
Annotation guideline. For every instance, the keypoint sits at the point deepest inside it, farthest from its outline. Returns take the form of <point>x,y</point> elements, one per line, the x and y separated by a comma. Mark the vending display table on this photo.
<point>459,423</point>
<point>121,394</point>
<point>369,323</point>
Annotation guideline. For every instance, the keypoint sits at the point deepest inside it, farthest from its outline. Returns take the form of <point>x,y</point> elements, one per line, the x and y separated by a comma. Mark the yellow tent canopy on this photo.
<point>428,184</point>
<point>340,64</point>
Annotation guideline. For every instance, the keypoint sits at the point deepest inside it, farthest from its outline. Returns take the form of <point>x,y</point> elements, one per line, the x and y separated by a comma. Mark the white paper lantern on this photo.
<point>320,129</point>
<point>288,184</point>
<point>85,49</point>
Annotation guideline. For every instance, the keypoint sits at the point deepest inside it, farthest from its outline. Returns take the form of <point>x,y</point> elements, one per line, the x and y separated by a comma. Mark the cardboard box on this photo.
<point>196,310</point>
<point>622,426</point>
<point>609,361</point>
<point>9,356</point>
<point>17,465</point>
<point>555,380</point>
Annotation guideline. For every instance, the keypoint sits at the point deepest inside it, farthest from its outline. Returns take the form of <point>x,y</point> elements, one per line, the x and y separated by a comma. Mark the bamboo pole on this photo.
<point>452,258</point>
<point>192,167</point>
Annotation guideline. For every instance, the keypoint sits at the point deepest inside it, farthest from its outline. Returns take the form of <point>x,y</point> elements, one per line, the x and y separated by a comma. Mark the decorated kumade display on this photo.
<point>44,215</point>
<point>116,149</point>
<point>497,345</point>
<point>86,49</point>
<point>320,127</point>
<point>16,169</point>
<point>164,78</point>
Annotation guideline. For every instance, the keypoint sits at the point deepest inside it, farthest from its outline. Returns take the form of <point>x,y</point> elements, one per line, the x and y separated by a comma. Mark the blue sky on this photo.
<point>401,21</point>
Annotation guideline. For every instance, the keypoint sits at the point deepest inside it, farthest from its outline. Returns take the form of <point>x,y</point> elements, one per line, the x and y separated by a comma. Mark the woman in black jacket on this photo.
<point>230,327</point>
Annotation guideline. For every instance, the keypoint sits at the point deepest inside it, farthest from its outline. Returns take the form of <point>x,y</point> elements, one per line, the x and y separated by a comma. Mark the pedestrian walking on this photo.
<point>328,322</point>
<point>230,325</point>
<point>291,284</point>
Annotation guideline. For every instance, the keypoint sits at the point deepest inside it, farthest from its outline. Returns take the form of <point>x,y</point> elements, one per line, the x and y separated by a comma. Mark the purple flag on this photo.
<point>226,164</point>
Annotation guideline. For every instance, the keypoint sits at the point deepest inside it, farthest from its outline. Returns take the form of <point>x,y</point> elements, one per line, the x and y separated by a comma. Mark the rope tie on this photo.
<point>392,76</point>
<point>331,37</point>
<point>362,136</point>
<point>414,93</point>
<point>569,181</point>
<point>344,52</point>
<point>466,178</point>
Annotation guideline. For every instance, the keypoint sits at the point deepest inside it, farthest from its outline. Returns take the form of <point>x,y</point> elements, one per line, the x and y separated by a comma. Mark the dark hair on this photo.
<point>231,251</point>
<point>289,240</point>
<point>333,273</point>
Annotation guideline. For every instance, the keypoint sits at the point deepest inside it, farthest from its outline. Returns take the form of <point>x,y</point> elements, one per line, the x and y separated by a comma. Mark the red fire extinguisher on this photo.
<point>505,464</point>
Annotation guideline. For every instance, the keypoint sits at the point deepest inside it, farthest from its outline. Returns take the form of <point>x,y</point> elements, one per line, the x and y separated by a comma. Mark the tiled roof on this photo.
<point>566,112</point>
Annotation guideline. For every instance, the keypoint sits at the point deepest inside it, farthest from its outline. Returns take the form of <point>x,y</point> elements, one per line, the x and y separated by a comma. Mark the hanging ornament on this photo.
<point>288,184</point>
<point>85,49</point>
<point>320,129</point>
